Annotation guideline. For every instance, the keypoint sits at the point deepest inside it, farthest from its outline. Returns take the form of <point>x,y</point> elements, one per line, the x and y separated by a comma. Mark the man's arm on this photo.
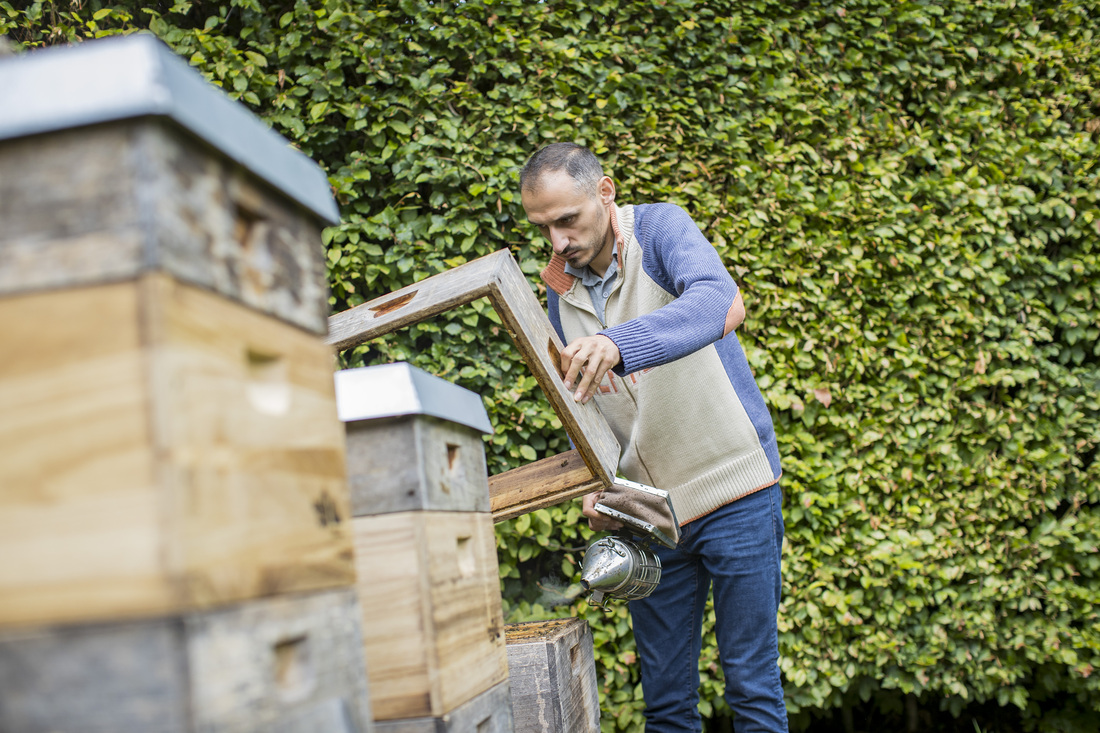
<point>708,303</point>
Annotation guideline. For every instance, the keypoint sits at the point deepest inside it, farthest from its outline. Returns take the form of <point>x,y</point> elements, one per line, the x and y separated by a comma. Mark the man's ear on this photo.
<point>606,190</point>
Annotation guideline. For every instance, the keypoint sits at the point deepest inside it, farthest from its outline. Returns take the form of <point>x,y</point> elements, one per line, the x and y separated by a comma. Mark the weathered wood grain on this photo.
<point>414,303</point>
<point>163,449</point>
<point>539,485</point>
<point>498,277</point>
<point>489,712</point>
<point>100,204</point>
<point>432,622</point>
<point>284,664</point>
<point>552,674</point>
<point>415,462</point>
<point>541,349</point>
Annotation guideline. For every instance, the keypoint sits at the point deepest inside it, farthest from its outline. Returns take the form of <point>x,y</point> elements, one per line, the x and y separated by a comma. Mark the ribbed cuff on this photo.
<point>637,347</point>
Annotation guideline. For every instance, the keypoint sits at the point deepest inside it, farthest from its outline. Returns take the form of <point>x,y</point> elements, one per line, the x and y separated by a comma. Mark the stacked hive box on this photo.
<point>425,552</point>
<point>175,551</point>
<point>552,673</point>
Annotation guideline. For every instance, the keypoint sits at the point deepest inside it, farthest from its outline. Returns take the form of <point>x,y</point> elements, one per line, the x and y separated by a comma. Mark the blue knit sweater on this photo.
<point>683,402</point>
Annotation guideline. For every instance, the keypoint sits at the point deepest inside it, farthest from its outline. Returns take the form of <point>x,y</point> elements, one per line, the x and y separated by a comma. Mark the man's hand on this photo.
<point>598,522</point>
<point>588,357</point>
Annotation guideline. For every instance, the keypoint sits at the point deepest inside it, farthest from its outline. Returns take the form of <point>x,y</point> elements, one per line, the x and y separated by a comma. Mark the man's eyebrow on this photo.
<point>563,217</point>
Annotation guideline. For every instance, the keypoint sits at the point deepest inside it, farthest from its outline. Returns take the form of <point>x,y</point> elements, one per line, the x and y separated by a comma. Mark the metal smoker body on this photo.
<point>621,566</point>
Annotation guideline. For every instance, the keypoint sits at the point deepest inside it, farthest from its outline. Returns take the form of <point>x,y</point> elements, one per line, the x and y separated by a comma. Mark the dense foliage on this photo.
<point>908,194</point>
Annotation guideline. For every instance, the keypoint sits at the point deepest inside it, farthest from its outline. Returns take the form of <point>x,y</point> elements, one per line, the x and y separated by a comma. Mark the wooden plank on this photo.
<point>121,677</point>
<point>433,628</point>
<point>163,449</point>
<point>80,526</point>
<point>541,348</point>
<point>540,484</point>
<point>415,462</point>
<point>111,202</point>
<point>489,712</point>
<point>552,674</point>
<point>283,664</point>
<point>497,276</point>
<point>253,475</point>
<point>414,303</point>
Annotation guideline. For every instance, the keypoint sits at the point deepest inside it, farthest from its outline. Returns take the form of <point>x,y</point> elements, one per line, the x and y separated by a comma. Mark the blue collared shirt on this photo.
<point>599,288</point>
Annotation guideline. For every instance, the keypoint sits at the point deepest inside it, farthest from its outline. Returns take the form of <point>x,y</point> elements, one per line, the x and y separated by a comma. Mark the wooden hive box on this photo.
<point>168,434</point>
<point>552,673</point>
<point>424,546</point>
<point>290,664</point>
<point>413,441</point>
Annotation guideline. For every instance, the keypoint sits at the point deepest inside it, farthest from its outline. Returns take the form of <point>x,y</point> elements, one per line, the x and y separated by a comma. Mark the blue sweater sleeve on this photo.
<point>677,256</point>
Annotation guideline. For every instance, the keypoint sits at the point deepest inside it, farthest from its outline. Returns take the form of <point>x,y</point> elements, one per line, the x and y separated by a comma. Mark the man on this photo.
<point>648,312</point>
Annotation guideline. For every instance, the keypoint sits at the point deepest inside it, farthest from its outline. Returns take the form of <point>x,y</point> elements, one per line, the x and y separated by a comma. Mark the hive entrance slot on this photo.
<point>268,386</point>
<point>294,674</point>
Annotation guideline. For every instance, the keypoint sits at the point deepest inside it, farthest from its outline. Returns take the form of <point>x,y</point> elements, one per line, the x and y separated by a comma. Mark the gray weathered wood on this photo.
<point>330,716</point>
<point>489,712</point>
<point>110,202</point>
<point>552,673</point>
<point>498,277</point>
<point>95,679</point>
<point>413,463</point>
<point>256,663</point>
<point>282,664</point>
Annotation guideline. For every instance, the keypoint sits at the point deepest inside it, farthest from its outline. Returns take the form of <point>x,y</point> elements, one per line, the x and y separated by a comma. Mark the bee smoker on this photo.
<point>623,566</point>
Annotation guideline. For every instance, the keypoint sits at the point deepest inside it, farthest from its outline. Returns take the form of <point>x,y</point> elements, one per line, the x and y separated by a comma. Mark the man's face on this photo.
<point>575,222</point>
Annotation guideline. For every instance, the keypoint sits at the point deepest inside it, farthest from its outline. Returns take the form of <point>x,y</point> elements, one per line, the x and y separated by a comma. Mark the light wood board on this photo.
<point>163,449</point>
<point>433,629</point>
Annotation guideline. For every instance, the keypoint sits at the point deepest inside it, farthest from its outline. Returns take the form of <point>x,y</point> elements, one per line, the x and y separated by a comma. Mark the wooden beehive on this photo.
<point>413,442</point>
<point>289,664</point>
<point>168,439</point>
<point>424,544</point>
<point>552,674</point>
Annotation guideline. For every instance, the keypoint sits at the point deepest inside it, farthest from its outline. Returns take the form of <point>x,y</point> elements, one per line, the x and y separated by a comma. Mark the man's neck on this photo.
<point>602,261</point>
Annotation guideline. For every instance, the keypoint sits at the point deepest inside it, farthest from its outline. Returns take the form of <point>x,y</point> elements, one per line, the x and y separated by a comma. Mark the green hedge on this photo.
<point>907,193</point>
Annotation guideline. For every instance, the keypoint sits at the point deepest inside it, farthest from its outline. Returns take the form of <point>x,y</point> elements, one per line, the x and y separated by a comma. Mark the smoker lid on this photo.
<point>137,76</point>
<point>390,390</point>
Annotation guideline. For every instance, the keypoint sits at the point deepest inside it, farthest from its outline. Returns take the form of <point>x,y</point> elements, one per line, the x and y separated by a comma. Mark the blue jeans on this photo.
<point>737,547</point>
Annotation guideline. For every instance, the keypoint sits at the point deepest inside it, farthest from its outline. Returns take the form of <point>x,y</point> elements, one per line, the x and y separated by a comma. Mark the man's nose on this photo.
<point>558,240</point>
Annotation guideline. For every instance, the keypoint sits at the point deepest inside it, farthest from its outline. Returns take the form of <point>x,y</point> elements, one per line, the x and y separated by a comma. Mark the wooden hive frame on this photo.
<point>591,465</point>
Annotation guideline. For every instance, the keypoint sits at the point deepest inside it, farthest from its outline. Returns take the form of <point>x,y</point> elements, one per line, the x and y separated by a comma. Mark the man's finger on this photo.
<point>570,364</point>
<point>588,358</point>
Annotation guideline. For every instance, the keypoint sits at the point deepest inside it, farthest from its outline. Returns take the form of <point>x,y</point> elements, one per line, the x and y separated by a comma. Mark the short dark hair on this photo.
<point>576,160</point>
